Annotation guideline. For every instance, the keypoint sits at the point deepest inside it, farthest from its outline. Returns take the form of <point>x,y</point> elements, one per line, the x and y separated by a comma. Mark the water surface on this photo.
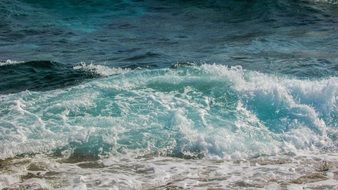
<point>168,94</point>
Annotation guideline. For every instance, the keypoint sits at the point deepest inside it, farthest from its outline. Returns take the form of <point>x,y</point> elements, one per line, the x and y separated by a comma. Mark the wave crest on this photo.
<point>100,69</point>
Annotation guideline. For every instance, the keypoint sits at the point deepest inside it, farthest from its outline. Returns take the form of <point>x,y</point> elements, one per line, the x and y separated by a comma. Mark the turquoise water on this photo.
<point>224,80</point>
<point>190,111</point>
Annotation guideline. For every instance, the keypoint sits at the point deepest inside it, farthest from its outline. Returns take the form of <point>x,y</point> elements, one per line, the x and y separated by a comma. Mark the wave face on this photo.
<point>210,111</point>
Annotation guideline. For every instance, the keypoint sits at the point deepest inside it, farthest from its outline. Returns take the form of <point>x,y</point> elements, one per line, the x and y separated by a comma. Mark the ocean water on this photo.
<point>145,94</point>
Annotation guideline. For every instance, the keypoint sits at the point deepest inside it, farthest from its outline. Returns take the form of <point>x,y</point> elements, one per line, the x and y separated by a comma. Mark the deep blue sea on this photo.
<point>168,94</point>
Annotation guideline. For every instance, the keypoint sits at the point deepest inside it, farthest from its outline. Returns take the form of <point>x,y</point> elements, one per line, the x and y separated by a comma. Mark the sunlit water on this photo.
<point>168,95</point>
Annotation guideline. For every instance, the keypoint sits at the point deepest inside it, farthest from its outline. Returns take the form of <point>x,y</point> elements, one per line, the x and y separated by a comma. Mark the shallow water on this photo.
<point>282,172</point>
<point>168,95</point>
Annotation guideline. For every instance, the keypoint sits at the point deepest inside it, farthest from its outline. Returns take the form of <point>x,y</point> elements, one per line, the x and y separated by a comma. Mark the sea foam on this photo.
<point>197,111</point>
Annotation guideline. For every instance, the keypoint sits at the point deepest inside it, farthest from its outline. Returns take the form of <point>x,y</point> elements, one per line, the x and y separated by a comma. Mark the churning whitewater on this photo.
<point>211,111</point>
<point>141,123</point>
<point>170,94</point>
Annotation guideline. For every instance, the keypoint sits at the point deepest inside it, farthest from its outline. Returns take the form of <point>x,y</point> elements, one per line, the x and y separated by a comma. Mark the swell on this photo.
<point>276,34</point>
<point>49,75</point>
<point>39,76</point>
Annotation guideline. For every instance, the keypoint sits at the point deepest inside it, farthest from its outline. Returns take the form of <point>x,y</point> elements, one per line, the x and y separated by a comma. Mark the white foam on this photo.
<point>269,172</point>
<point>148,113</point>
<point>9,62</point>
<point>187,110</point>
<point>100,69</point>
<point>325,1</point>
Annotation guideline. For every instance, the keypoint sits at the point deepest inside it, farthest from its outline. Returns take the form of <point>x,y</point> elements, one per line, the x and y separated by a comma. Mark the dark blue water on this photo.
<point>291,37</point>
<point>86,79</point>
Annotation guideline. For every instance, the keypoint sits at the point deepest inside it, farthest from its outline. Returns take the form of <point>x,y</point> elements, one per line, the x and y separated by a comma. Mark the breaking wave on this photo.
<point>209,111</point>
